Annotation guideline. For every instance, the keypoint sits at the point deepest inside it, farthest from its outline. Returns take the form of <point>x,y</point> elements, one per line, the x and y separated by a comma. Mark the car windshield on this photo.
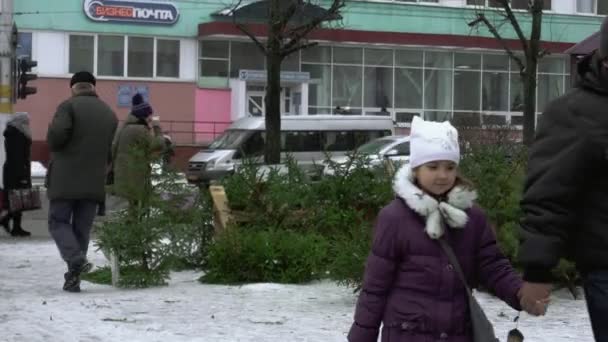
<point>230,140</point>
<point>374,146</point>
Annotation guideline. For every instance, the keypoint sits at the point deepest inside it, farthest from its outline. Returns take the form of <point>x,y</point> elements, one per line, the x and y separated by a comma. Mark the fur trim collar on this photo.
<point>436,213</point>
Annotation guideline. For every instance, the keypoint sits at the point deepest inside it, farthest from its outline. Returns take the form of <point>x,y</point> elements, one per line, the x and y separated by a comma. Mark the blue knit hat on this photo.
<point>140,108</point>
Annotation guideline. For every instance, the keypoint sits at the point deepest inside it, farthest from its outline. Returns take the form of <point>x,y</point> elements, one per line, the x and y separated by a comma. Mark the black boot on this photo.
<point>72,282</point>
<point>72,277</point>
<point>17,230</point>
<point>4,223</point>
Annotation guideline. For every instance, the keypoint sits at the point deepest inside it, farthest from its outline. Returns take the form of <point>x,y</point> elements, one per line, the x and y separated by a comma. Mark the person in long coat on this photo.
<point>16,172</point>
<point>136,145</point>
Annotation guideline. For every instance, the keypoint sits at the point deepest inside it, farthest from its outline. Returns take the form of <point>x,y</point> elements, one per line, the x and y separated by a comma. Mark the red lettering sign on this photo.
<point>114,11</point>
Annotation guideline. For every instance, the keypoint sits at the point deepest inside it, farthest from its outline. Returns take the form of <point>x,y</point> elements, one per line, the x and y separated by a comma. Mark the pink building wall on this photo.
<point>212,113</point>
<point>172,101</point>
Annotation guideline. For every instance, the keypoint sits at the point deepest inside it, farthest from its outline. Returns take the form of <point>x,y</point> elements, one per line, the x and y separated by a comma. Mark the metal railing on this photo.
<point>184,132</point>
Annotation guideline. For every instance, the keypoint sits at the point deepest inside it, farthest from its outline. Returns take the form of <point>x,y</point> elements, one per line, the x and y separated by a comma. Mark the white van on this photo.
<point>305,138</point>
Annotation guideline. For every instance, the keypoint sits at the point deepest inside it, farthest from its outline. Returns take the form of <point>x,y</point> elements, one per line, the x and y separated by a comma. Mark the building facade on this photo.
<point>396,57</point>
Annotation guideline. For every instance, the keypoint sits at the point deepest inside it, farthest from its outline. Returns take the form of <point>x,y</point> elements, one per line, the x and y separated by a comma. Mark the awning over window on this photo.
<point>257,11</point>
<point>587,46</point>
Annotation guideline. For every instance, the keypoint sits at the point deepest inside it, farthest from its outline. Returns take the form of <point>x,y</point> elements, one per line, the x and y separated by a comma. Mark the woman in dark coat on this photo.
<point>16,170</point>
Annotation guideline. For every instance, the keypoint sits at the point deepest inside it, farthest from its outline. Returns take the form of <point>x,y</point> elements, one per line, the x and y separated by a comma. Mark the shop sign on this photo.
<point>138,12</point>
<point>286,76</point>
<point>127,91</point>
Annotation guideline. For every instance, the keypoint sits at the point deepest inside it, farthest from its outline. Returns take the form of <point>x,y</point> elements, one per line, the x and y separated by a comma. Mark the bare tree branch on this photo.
<point>244,29</point>
<point>506,5</point>
<point>289,13</point>
<point>302,31</point>
<point>481,18</point>
<point>251,36</point>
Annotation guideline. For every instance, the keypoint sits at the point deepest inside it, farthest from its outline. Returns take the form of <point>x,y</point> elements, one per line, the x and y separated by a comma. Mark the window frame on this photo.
<point>592,13</point>
<point>125,71</point>
<point>487,5</point>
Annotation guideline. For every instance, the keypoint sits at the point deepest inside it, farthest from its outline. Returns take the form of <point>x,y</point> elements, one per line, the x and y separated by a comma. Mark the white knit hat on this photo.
<point>433,141</point>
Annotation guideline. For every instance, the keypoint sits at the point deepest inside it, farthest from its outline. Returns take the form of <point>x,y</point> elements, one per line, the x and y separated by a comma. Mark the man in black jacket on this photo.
<point>565,202</point>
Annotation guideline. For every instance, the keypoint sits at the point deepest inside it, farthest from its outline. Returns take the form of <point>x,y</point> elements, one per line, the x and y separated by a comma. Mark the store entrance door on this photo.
<point>256,105</point>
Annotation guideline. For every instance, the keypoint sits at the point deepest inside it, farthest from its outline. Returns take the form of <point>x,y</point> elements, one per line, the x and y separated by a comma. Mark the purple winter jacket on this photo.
<point>409,284</point>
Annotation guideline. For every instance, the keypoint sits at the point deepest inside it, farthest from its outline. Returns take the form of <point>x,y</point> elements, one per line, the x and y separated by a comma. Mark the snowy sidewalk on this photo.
<point>33,308</point>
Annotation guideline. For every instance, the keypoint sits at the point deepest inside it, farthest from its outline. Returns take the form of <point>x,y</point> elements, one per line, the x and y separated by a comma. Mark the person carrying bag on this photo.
<point>415,283</point>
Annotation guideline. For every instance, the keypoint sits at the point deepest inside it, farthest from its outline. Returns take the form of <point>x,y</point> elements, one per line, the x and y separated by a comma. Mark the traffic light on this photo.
<point>25,75</point>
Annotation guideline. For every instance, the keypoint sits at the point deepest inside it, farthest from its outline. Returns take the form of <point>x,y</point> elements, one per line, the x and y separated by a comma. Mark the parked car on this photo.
<point>395,148</point>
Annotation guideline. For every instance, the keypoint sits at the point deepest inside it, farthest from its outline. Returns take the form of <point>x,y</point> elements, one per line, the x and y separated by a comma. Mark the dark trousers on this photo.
<point>70,223</point>
<point>16,217</point>
<point>596,294</point>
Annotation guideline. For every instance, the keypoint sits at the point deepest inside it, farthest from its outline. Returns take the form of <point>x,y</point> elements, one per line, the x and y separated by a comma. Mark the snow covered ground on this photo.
<point>33,308</point>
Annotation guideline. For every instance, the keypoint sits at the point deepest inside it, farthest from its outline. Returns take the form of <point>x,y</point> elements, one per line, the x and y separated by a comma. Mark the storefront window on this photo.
<point>551,65</point>
<point>467,61</point>
<point>438,60</point>
<point>408,58</point>
<point>438,89</point>
<point>347,86</point>
<point>213,68</point>
<point>214,56</point>
<point>549,88</point>
<point>496,62</point>
<point>408,88</point>
<point>517,93</point>
<point>319,88</point>
<point>379,57</point>
<point>495,93</point>
<point>245,56</point>
<point>317,54</point>
<point>467,92</point>
<point>141,57</point>
<point>82,50</point>
<point>110,56</point>
<point>167,58</point>
<point>378,87</point>
<point>347,55</point>
<point>214,49</point>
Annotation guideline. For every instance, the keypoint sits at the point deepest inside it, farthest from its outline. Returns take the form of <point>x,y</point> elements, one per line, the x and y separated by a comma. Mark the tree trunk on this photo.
<point>272,152</point>
<point>529,77</point>
<point>529,83</point>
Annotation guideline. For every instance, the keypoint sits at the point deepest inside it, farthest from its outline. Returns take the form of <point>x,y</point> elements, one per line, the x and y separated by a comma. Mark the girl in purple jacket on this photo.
<point>409,285</point>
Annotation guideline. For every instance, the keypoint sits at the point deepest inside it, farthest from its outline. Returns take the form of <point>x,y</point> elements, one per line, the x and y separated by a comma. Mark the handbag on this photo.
<point>24,199</point>
<point>483,331</point>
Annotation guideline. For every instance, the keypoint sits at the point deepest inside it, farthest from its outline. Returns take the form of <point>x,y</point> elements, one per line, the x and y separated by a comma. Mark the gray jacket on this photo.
<point>80,139</point>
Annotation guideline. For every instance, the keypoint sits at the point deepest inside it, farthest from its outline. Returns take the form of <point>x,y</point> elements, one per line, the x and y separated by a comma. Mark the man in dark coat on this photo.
<point>16,172</point>
<point>565,203</point>
<point>80,139</point>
